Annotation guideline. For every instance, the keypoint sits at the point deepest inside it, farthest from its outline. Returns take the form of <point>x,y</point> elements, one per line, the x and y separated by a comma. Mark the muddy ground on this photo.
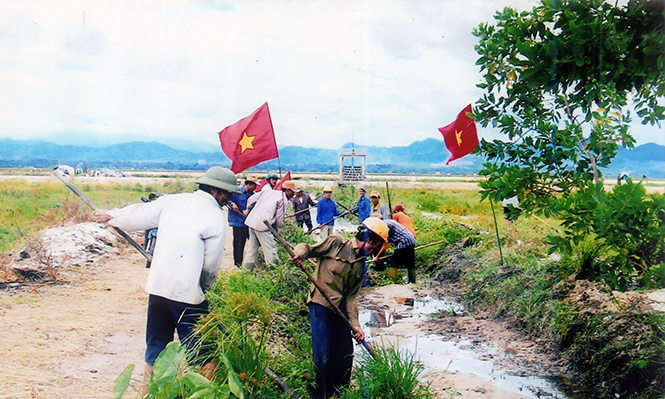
<point>72,331</point>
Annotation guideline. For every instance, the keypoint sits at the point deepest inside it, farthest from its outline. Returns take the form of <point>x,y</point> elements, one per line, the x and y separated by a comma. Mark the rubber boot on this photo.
<point>392,273</point>
<point>412,276</point>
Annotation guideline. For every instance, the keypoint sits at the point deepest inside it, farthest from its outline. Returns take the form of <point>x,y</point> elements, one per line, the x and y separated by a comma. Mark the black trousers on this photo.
<point>240,237</point>
<point>308,223</point>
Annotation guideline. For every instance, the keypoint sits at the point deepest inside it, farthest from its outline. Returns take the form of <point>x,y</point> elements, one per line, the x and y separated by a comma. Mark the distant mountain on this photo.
<point>426,156</point>
<point>645,160</point>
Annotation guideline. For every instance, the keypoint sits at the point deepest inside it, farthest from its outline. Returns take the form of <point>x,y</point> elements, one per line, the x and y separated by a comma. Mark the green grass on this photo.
<point>27,208</point>
<point>389,374</point>
<point>265,324</point>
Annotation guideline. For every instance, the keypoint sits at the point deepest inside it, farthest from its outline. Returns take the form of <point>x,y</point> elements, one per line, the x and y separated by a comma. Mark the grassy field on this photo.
<point>29,207</point>
<point>615,351</point>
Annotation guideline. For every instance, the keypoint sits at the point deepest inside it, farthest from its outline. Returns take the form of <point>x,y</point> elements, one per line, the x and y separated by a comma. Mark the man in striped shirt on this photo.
<point>404,255</point>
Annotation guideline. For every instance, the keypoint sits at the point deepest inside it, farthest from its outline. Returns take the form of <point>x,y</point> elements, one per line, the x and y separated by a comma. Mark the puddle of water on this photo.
<point>428,305</point>
<point>341,224</point>
<point>453,356</point>
<point>447,356</point>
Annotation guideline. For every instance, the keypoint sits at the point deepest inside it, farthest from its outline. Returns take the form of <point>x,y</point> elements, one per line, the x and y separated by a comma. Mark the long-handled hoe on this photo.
<point>318,286</point>
<point>328,222</point>
<point>92,205</point>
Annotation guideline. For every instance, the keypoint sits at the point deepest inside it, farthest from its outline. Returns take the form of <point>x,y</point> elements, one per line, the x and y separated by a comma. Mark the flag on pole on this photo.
<point>286,177</point>
<point>461,136</point>
<point>261,184</point>
<point>249,141</point>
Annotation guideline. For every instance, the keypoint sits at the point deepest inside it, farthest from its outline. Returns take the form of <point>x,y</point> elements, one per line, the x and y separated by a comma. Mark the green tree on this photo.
<point>560,82</point>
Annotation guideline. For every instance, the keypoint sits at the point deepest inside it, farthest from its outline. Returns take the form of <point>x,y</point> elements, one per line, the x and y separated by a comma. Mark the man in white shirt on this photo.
<point>186,259</point>
<point>267,205</point>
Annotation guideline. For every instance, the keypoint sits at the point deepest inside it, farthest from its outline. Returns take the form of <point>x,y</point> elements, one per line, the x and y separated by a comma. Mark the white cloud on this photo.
<point>382,72</point>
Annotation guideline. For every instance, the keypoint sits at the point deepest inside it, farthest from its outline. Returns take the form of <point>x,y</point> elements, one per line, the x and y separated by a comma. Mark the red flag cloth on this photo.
<point>286,177</point>
<point>261,184</point>
<point>461,136</point>
<point>250,141</point>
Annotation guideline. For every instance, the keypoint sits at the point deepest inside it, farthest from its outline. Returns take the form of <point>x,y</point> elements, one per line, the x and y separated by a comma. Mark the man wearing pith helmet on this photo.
<point>186,259</point>
<point>272,180</point>
<point>340,270</point>
<point>326,210</point>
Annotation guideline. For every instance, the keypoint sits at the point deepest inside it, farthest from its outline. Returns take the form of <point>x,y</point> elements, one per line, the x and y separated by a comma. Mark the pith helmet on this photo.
<point>374,194</point>
<point>271,176</point>
<point>327,189</point>
<point>377,226</point>
<point>221,178</point>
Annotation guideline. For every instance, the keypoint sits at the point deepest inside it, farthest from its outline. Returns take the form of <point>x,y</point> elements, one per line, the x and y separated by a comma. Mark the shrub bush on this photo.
<point>628,224</point>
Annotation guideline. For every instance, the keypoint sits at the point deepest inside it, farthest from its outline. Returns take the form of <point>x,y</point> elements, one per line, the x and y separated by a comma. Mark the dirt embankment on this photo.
<point>74,307</point>
<point>71,337</point>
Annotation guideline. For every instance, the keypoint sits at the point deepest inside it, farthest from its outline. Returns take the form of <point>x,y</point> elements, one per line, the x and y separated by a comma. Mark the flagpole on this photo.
<point>496,228</point>
<point>279,165</point>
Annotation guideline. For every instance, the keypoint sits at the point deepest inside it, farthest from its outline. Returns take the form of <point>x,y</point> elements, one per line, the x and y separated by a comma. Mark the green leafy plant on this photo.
<point>173,378</point>
<point>617,237</point>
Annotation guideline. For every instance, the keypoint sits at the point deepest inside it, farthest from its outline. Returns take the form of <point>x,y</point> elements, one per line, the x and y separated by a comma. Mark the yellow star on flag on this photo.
<point>247,142</point>
<point>458,136</point>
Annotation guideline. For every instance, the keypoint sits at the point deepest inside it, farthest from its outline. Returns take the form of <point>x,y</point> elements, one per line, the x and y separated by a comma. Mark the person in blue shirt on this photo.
<point>364,206</point>
<point>326,210</point>
<point>237,219</point>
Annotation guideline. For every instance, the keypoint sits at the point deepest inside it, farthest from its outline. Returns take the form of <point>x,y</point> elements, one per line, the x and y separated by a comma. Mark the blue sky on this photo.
<point>380,72</point>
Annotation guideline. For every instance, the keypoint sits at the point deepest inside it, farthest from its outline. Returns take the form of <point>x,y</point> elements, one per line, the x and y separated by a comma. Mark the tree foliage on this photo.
<point>560,82</point>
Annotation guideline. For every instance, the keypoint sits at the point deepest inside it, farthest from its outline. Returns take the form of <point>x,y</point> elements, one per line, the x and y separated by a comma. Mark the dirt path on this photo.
<point>72,339</point>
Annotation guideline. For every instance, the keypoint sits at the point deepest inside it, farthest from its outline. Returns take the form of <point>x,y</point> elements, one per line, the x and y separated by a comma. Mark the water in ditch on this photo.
<point>460,355</point>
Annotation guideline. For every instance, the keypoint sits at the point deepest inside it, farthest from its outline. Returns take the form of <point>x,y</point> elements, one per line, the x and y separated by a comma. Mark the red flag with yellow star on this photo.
<point>461,136</point>
<point>249,141</point>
